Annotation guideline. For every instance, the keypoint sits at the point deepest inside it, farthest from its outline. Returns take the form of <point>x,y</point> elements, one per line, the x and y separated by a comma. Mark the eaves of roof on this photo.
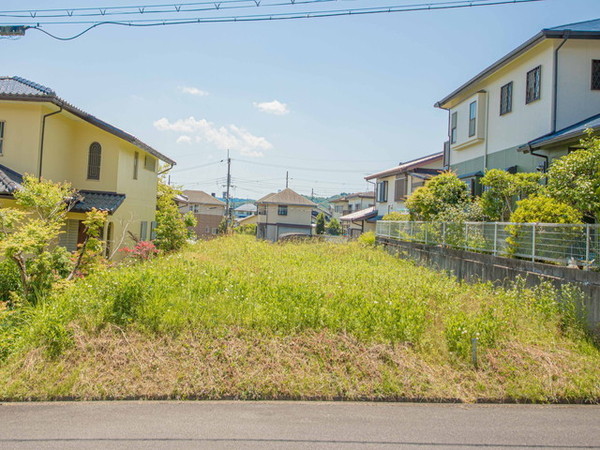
<point>549,33</point>
<point>407,166</point>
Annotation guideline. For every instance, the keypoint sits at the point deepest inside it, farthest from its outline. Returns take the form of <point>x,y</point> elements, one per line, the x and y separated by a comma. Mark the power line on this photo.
<point>272,17</point>
<point>316,169</point>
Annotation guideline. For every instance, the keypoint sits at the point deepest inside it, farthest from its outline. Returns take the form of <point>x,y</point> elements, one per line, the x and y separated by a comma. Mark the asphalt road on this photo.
<point>292,425</point>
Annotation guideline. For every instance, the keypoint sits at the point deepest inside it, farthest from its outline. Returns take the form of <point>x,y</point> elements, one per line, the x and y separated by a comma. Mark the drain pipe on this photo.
<point>42,139</point>
<point>555,87</point>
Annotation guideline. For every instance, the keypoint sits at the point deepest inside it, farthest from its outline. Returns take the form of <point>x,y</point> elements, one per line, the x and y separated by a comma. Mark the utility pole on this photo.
<point>228,206</point>
<point>287,179</point>
<point>312,194</point>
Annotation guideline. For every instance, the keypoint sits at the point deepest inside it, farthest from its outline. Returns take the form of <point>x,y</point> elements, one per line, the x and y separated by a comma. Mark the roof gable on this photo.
<point>202,198</point>
<point>407,166</point>
<point>287,197</point>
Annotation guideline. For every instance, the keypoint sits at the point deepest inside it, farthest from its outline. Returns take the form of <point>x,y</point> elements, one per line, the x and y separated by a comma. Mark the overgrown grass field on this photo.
<point>238,318</point>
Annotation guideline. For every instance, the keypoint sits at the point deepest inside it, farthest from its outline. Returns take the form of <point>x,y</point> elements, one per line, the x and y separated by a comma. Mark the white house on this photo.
<point>394,185</point>
<point>529,107</point>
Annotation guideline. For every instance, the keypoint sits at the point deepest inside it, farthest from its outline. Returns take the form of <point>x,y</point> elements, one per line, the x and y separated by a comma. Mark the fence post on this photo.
<point>466,244</point>
<point>533,242</point>
<point>495,238</point>
<point>587,246</point>
<point>444,234</point>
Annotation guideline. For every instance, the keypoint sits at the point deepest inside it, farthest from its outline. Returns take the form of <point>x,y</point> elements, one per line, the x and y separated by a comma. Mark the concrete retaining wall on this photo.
<point>470,266</point>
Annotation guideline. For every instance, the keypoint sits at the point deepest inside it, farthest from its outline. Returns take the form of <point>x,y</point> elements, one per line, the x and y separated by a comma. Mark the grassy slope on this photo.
<point>236,318</point>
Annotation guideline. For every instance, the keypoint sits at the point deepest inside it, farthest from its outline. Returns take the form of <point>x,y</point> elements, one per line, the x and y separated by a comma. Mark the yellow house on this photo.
<point>283,213</point>
<point>44,136</point>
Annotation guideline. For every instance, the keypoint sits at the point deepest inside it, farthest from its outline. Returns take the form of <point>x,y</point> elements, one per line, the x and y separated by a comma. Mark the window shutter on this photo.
<point>400,189</point>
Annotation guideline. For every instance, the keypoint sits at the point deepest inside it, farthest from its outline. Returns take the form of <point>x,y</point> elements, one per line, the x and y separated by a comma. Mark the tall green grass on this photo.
<point>282,289</point>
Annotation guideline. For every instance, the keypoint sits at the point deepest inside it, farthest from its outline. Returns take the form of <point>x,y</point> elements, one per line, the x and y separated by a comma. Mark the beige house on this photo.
<point>283,213</point>
<point>208,211</point>
<point>42,135</point>
<point>529,107</point>
<point>394,185</point>
<point>351,203</point>
<point>359,222</point>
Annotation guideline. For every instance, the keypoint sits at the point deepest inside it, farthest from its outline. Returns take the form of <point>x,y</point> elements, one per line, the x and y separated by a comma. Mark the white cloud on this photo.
<point>229,137</point>
<point>275,107</point>
<point>184,139</point>
<point>193,91</point>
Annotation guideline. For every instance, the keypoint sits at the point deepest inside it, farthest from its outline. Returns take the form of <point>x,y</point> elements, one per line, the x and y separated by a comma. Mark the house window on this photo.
<point>153,230</point>
<point>150,163</point>
<point>472,118</point>
<point>454,121</point>
<point>282,210</point>
<point>2,126</point>
<point>595,77</point>
<point>534,79</point>
<point>400,189</point>
<point>382,191</point>
<point>136,161</point>
<point>506,98</point>
<point>94,160</point>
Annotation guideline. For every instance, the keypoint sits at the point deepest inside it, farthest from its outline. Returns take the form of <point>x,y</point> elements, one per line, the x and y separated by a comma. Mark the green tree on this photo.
<point>574,179</point>
<point>542,209</point>
<point>29,233</point>
<point>396,216</point>
<point>172,227</point>
<point>320,229</point>
<point>441,192</point>
<point>504,189</point>
<point>334,228</point>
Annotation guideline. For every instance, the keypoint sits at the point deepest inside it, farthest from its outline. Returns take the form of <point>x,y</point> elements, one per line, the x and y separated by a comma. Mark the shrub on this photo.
<point>143,251</point>
<point>368,238</point>
<point>171,226</point>
<point>320,228</point>
<point>248,228</point>
<point>503,189</point>
<point>334,228</point>
<point>540,209</point>
<point>574,179</point>
<point>9,279</point>
<point>439,193</point>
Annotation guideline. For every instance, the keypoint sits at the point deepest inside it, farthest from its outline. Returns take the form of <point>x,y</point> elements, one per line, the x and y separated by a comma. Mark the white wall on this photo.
<point>576,101</point>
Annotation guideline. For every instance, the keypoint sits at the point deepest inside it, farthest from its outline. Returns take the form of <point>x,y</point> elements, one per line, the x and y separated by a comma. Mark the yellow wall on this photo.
<point>65,158</point>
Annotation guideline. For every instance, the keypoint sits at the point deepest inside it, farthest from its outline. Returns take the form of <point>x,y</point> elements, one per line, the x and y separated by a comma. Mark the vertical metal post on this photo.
<point>426,227</point>
<point>533,241</point>
<point>587,246</point>
<point>466,244</point>
<point>495,238</point>
<point>474,352</point>
<point>444,234</point>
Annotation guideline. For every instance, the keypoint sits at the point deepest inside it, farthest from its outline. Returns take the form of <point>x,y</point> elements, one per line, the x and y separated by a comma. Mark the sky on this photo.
<point>328,100</point>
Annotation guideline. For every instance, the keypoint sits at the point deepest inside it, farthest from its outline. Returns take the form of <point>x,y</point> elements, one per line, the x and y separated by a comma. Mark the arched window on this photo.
<point>94,159</point>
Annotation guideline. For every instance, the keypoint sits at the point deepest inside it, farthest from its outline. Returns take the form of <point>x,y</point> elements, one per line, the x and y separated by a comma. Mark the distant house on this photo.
<point>356,223</point>
<point>394,185</point>
<point>352,203</point>
<point>529,107</point>
<point>245,210</point>
<point>43,135</point>
<point>283,213</point>
<point>208,210</point>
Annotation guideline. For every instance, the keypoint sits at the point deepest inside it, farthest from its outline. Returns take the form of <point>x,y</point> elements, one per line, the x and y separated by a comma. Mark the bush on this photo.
<point>540,209</point>
<point>368,238</point>
<point>334,228</point>
<point>10,280</point>
<point>320,228</point>
<point>439,193</point>
<point>248,228</point>
<point>503,189</point>
<point>172,227</point>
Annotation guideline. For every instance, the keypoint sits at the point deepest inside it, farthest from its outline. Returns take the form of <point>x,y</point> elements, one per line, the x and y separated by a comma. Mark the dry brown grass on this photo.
<point>238,364</point>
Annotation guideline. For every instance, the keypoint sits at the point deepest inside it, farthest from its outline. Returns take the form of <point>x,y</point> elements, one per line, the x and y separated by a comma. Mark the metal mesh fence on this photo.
<point>557,243</point>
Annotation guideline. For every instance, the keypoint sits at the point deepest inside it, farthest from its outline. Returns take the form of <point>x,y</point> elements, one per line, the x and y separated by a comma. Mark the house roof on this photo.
<point>202,198</point>
<point>103,201</point>
<point>407,166</point>
<point>11,181</point>
<point>363,214</point>
<point>572,132</point>
<point>17,88</point>
<point>246,207</point>
<point>286,197</point>
<point>345,198</point>
<point>589,29</point>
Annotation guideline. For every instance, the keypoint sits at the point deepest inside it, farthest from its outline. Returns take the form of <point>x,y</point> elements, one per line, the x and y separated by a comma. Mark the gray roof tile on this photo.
<point>10,180</point>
